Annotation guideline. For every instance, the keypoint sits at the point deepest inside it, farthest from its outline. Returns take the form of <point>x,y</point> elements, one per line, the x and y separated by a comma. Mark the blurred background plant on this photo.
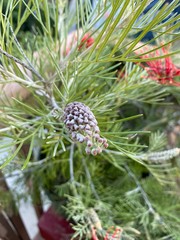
<point>133,185</point>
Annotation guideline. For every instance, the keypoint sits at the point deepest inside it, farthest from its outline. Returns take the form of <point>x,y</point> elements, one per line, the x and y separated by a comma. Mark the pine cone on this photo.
<point>82,126</point>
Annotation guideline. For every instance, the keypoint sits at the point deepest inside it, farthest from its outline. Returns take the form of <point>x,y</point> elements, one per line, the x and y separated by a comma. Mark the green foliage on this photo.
<point>157,141</point>
<point>123,186</point>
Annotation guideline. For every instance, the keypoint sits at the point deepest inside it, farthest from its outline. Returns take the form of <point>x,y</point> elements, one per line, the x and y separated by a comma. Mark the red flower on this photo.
<point>86,41</point>
<point>72,40</point>
<point>161,70</point>
<point>114,235</point>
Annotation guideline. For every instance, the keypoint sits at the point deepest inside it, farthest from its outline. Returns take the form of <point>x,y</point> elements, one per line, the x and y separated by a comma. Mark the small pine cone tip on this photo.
<point>83,127</point>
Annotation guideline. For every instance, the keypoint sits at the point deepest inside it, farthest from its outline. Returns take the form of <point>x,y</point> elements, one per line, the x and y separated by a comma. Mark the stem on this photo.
<point>90,179</point>
<point>21,63</point>
<point>144,195</point>
<point>48,89</point>
<point>71,163</point>
<point>23,53</point>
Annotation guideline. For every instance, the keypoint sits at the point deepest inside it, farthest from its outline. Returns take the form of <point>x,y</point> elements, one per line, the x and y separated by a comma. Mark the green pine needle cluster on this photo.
<point>124,186</point>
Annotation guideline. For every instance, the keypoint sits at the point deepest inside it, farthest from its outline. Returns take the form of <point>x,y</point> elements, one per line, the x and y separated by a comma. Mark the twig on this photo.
<point>48,92</point>
<point>11,78</point>
<point>29,66</point>
<point>36,163</point>
<point>144,195</point>
<point>148,203</point>
<point>22,64</point>
<point>53,103</point>
<point>136,190</point>
<point>71,163</point>
<point>116,152</point>
<point>23,53</point>
<point>89,179</point>
<point>32,166</point>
